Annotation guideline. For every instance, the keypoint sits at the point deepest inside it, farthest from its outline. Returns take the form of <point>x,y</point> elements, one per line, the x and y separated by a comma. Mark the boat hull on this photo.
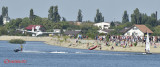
<point>146,53</point>
<point>92,48</point>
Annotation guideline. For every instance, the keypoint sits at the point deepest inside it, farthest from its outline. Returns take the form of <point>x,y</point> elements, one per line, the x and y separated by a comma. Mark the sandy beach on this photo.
<point>83,44</point>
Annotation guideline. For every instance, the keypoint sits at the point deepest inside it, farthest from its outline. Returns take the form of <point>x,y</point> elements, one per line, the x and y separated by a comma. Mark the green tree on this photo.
<point>25,22</point>
<point>136,17</point>
<point>14,24</point>
<point>89,29</point>
<point>31,16</point>
<point>3,30</point>
<point>4,11</point>
<point>64,19</point>
<point>144,18</point>
<point>125,17</point>
<point>79,17</point>
<point>153,15</point>
<point>56,16</point>
<point>157,31</point>
<point>99,17</point>
<point>1,20</point>
<point>50,15</point>
<point>151,21</point>
<point>112,25</point>
<point>117,29</point>
<point>53,14</point>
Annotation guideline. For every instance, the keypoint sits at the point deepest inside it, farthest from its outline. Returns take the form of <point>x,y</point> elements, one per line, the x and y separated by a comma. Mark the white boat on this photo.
<point>147,49</point>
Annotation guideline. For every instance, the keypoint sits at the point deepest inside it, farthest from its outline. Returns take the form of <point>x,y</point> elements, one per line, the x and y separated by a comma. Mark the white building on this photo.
<point>103,25</point>
<point>138,30</point>
<point>6,19</point>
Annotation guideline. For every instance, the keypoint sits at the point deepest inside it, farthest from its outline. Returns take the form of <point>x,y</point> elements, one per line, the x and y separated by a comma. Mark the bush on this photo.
<point>135,44</point>
<point>3,30</point>
<point>17,41</point>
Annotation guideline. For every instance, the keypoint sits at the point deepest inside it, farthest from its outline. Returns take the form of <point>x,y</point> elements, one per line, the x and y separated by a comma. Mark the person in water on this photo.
<point>21,47</point>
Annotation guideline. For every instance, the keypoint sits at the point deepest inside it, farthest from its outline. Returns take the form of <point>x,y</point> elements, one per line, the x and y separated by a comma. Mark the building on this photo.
<point>78,23</point>
<point>58,30</point>
<point>6,19</point>
<point>103,25</point>
<point>137,30</point>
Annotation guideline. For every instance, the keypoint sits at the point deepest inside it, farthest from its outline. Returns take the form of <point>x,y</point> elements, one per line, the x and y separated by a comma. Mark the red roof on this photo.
<point>30,27</point>
<point>144,29</point>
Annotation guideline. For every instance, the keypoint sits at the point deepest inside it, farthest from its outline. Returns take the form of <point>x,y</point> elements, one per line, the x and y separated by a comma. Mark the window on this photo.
<point>128,33</point>
<point>105,25</point>
<point>135,28</point>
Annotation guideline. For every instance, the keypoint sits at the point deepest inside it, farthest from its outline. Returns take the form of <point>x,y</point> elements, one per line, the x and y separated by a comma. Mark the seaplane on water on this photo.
<point>35,30</point>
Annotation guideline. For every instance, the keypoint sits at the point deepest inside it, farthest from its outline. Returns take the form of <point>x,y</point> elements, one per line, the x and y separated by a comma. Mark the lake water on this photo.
<point>39,54</point>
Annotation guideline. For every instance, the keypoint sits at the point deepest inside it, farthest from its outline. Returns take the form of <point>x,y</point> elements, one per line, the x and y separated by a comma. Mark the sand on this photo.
<point>83,44</point>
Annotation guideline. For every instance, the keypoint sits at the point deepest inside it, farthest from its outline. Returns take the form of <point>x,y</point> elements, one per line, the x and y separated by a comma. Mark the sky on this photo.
<point>112,10</point>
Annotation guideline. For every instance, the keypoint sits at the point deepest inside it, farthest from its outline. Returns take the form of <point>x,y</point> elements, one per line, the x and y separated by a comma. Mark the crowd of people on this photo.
<point>127,40</point>
<point>123,41</point>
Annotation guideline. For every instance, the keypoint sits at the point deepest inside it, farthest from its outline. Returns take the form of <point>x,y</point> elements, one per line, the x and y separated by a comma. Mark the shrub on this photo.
<point>17,41</point>
<point>135,44</point>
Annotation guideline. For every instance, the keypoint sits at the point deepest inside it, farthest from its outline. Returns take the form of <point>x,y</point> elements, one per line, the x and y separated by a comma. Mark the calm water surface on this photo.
<point>39,54</point>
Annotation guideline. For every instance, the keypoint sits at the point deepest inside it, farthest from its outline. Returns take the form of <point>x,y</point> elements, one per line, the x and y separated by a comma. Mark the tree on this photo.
<point>125,17</point>
<point>64,19</point>
<point>14,24</point>
<point>1,20</point>
<point>144,18</point>
<point>79,17</point>
<point>157,31</point>
<point>112,24</point>
<point>56,16</point>
<point>136,17</point>
<point>153,15</point>
<point>50,15</point>
<point>53,14</point>
<point>99,17</point>
<point>151,21</point>
<point>3,30</point>
<point>31,16</point>
<point>89,29</point>
<point>4,11</point>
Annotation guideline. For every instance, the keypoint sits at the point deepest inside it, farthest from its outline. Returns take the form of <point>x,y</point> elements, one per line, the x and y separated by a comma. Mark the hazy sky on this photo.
<point>69,8</point>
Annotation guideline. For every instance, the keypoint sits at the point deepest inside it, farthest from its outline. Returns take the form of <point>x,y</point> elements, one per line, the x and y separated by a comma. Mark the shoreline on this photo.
<point>82,44</point>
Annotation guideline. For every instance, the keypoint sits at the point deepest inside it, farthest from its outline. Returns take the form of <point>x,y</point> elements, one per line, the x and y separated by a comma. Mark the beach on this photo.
<point>84,44</point>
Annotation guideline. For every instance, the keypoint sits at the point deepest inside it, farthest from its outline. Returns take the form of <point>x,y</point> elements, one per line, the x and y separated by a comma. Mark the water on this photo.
<point>39,54</point>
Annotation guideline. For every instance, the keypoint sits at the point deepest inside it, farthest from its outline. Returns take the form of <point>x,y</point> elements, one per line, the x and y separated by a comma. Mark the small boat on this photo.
<point>92,48</point>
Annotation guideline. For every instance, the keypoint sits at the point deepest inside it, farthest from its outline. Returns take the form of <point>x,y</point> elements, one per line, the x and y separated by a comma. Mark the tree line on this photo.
<point>52,22</point>
<point>55,21</point>
<point>138,18</point>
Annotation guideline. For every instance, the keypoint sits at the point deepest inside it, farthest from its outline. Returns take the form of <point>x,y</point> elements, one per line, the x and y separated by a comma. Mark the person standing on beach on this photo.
<point>100,47</point>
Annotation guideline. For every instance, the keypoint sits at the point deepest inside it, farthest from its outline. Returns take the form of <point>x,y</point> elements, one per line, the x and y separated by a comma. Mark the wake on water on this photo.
<point>29,51</point>
<point>79,52</point>
<point>58,52</point>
